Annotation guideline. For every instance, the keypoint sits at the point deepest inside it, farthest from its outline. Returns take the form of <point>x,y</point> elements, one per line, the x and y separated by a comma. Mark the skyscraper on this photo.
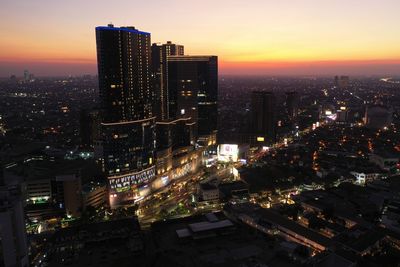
<point>193,91</point>
<point>89,127</point>
<point>159,55</point>
<point>263,130</point>
<point>126,99</point>
<point>292,104</point>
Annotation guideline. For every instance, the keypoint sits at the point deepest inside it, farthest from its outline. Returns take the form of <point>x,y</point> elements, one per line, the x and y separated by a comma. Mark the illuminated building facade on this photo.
<point>175,164</point>
<point>159,55</point>
<point>126,98</point>
<point>193,91</point>
<point>263,130</point>
<point>228,153</point>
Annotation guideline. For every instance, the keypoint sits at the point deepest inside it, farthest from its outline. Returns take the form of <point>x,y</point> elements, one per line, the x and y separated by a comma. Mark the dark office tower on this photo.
<point>193,91</point>
<point>159,55</point>
<point>292,104</point>
<point>263,118</point>
<point>89,127</point>
<point>128,124</point>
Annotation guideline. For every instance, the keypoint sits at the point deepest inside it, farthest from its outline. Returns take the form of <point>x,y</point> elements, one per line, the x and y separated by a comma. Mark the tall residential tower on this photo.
<point>126,99</point>
<point>159,66</point>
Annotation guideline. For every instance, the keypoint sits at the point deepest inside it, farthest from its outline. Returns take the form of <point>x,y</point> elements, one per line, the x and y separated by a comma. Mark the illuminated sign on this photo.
<point>164,180</point>
<point>260,139</point>
<point>228,153</point>
<point>124,182</point>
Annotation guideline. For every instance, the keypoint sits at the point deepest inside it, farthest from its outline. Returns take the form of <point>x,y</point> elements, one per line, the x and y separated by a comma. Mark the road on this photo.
<point>178,192</point>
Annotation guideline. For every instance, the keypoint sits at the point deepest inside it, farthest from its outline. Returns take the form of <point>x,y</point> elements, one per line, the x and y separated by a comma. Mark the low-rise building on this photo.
<point>386,161</point>
<point>364,177</point>
<point>208,192</point>
<point>94,195</point>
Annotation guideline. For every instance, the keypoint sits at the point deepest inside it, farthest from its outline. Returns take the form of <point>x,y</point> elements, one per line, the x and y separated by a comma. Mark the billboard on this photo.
<point>228,153</point>
<point>123,183</point>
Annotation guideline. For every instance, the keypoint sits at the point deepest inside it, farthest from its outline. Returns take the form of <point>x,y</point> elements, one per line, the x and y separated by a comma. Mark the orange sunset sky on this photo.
<point>262,37</point>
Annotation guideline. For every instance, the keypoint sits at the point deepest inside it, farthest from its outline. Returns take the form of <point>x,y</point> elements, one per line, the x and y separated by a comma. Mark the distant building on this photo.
<point>378,117</point>
<point>159,63</point>
<point>89,127</point>
<point>126,98</point>
<point>26,76</point>
<point>342,81</point>
<point>263,117</point>
<point>193,91</point>
<point>292,104</point>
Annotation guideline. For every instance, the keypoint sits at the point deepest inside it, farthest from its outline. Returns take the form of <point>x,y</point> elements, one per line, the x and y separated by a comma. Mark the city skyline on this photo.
<point>260,38</point>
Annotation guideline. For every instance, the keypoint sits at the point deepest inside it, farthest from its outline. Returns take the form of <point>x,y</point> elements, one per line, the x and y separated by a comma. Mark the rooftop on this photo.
<point>111,27</point>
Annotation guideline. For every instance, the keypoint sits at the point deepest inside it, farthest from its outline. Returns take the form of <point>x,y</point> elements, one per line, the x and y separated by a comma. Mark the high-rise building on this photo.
<point>159,55</point>
<point>126,99</point>
<point>193,91</point>
<point>89,127</point>
<point>378,116</point>
<point>263,130</point>
<point>342,81</point>
<point>292,104</point>
<point>26,75</point>
<point>14,244</point>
